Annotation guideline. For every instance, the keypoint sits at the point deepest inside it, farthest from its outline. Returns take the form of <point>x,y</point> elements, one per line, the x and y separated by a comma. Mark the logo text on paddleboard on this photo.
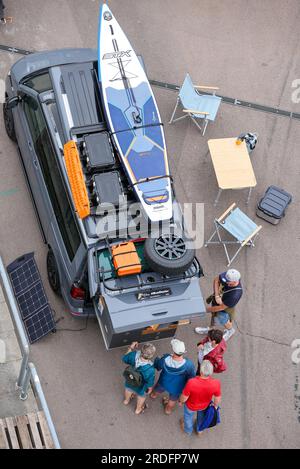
<point>107,16</point>
<point>116,55</point>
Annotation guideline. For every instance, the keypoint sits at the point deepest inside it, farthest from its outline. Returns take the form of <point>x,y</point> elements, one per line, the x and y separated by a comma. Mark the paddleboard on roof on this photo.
<point>133,118</point>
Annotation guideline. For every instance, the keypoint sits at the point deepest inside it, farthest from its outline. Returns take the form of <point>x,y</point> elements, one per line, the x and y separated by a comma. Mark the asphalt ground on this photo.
<point>250,49</point>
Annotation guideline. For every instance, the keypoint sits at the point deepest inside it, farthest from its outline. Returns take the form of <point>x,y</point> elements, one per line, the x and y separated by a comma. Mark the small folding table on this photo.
<point>232,165</point>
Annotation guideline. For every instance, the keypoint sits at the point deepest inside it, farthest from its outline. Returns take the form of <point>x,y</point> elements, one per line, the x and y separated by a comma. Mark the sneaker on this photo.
<point>201,330</point>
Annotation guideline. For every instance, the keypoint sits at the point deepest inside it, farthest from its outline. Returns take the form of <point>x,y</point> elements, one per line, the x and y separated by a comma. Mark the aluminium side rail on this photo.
<point>28,371</point>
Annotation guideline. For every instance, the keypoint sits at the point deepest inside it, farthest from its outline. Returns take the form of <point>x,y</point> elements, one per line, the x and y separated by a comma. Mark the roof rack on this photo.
<point>154,178</point>
<point>88,129</point>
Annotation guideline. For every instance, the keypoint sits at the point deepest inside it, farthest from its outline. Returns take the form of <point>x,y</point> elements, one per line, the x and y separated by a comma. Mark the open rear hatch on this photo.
<point>142,306</point>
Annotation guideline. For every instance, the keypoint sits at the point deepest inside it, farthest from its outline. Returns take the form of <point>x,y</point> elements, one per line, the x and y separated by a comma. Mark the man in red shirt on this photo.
<point>197,395</point>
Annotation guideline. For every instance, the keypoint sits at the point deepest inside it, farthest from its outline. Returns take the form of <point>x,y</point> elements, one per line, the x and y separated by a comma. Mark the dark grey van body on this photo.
<point>59,99</point>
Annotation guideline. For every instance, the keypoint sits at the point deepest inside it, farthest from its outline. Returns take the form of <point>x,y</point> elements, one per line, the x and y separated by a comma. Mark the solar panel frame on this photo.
<point>24,276</point>
<point>39,324</point>
<point>32,300</point>
<point>31,297</point>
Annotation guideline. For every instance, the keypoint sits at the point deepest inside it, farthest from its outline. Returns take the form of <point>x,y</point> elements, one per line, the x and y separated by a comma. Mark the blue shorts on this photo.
<point>158,388</point>
<point>221,318</point>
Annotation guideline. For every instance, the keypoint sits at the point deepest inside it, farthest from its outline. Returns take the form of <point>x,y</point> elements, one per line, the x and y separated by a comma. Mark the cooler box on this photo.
<point>273,204</point>
<point>125,259</point>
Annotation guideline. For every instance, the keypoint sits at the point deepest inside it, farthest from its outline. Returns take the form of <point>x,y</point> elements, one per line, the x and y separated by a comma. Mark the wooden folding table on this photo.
<point>232,165</point>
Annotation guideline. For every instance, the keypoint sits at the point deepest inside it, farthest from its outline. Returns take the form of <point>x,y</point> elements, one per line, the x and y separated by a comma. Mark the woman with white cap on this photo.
<point>228,291</point>
<point>175,371</point>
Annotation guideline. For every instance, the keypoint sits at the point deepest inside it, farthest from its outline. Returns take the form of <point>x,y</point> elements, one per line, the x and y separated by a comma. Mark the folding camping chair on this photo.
<point>239,226</point>
<point>196,105</point>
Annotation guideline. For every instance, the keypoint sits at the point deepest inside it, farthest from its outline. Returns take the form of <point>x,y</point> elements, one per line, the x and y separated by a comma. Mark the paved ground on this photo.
<point>251,50</point>
<point>10,362</point>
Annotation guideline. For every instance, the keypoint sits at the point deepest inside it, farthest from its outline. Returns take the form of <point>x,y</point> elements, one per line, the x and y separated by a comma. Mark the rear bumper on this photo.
<point>77,308</point>
<point>85,312</point>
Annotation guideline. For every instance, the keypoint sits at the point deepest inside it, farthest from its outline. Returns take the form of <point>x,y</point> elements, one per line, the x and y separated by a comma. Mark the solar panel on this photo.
<point>32,300</point>
<point>31,297</point>
<point>24,275</point>
<point>39,324</point>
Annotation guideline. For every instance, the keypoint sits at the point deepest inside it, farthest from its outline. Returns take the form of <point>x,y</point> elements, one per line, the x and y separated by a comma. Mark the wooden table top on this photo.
<point>231,163</point>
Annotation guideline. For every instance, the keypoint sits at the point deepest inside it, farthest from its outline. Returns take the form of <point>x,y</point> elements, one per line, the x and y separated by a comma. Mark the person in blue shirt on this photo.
<point>175,371</point>
<point>141,361</point>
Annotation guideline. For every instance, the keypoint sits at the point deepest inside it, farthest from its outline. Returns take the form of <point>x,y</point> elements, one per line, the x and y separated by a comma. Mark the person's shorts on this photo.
<point>221,318</point>
<point>138,393</point>
<point>159,389</point>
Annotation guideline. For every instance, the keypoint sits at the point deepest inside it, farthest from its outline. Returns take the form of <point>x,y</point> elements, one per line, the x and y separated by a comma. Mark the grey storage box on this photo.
<point>273,205</point>
<point>108,188</point>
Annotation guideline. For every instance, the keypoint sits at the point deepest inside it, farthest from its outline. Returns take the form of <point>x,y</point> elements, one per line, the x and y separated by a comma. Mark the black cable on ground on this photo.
<point>15,50</point>
<point>70,330</point>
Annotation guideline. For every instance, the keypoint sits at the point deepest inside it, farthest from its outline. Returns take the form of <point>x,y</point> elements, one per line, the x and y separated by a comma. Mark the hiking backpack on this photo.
<point>133,377</point>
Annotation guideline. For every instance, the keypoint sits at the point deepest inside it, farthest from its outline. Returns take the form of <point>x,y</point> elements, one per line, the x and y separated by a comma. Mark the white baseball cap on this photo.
<point>232,275</point>
<point>178,346</point>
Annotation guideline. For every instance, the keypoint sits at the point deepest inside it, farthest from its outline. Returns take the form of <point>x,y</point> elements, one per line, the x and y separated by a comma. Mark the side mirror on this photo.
<point>13,102</point>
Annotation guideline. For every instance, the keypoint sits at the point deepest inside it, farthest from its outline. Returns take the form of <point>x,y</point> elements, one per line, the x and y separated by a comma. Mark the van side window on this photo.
<point>39,83</point>
<point>52,176</point>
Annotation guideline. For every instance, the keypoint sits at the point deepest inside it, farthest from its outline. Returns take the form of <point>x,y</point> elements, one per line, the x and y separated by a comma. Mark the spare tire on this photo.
<point>168,254</point>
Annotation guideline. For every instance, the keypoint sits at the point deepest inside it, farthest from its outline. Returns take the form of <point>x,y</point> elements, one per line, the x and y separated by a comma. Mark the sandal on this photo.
<point>165,401</point>
<point>130,399</point>
<point>145,406</point>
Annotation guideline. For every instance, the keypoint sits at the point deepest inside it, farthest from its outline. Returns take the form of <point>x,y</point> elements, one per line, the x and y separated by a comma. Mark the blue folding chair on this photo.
<point>195,105</point>
<point>239,226</point>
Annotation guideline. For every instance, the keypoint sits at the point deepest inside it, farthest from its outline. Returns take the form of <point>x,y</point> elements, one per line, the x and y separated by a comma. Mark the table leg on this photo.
<point>249,195</point>
<point>218,197</point>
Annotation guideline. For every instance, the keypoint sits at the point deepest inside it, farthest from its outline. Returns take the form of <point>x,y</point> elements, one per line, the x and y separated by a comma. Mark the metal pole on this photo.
<point>27,370</point>
<point>25,385</point>
<point>18,323</point>
<point>41,396</point>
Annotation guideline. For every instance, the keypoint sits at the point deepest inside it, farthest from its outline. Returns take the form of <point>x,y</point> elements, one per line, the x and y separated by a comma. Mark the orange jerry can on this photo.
<point>125,259</point>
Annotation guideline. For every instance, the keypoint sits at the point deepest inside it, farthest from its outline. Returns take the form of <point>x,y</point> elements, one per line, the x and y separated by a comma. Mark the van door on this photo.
<point>49,192</point>
<point>34,129</point>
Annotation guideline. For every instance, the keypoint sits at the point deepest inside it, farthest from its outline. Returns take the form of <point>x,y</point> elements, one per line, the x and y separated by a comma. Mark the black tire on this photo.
<point>168,254</point>
<point>9,123</point>
<point>53,274</point>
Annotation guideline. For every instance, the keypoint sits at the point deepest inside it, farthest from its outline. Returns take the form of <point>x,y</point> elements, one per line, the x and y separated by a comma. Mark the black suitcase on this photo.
<point>273,205</point>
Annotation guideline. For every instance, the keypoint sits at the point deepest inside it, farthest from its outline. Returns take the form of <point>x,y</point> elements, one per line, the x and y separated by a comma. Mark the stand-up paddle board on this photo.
<point>133,118</point>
